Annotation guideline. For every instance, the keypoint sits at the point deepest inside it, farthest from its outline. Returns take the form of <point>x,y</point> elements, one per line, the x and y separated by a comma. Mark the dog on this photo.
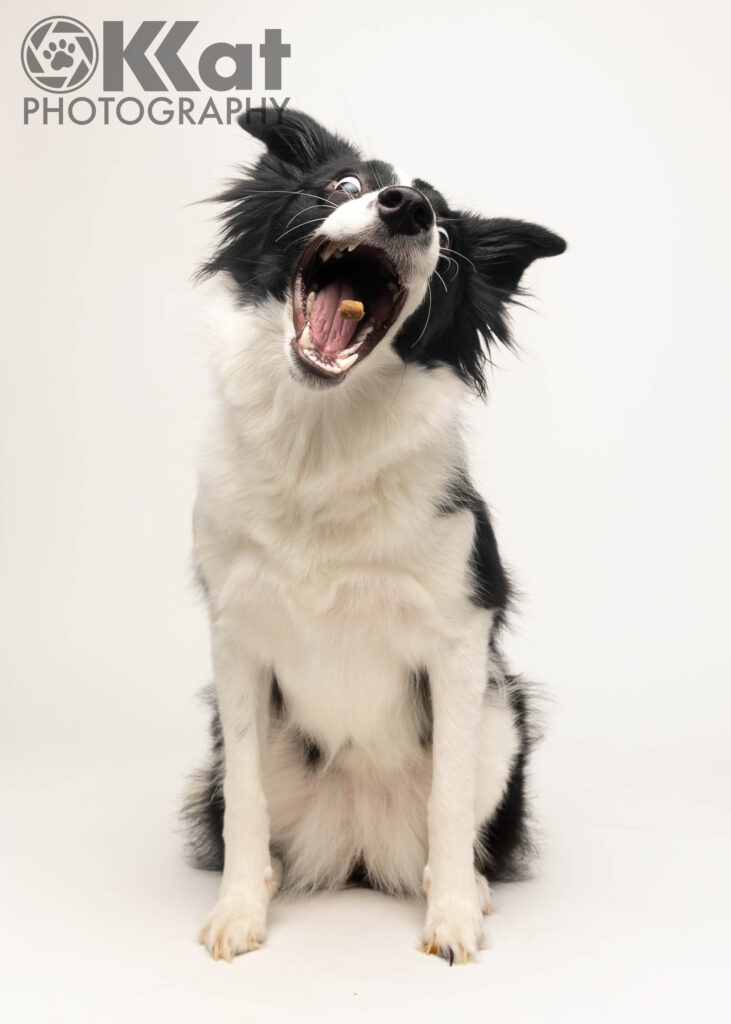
<point>365,728</point>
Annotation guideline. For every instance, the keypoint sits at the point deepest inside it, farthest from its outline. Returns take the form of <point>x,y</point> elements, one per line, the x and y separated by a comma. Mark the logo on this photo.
<point>59,54</point>
<point>174,81</point>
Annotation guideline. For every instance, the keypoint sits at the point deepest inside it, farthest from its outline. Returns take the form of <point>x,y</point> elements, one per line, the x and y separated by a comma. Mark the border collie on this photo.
<point>365,727</point>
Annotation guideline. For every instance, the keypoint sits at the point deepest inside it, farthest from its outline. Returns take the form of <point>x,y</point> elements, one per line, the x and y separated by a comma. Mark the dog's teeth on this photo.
<point>344,364</point>
<point>353,348</point>
<point>353,246</point>
<point>338,254</point>
<point>328,251</point>
<point>368,329</point>
<point>305,338</point>
<point>310,302</point>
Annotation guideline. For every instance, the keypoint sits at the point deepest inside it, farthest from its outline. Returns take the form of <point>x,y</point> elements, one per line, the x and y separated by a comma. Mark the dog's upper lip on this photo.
<point>327,271</point>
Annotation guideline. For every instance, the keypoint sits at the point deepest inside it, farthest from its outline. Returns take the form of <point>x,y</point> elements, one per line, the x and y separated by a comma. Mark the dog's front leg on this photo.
<point>237,923</point>
<point>458,677</point>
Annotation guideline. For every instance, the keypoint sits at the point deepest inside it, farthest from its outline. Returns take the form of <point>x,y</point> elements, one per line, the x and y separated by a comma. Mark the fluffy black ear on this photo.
<point>502,249</point>
<point>492,256</point>
<point>297,138</point>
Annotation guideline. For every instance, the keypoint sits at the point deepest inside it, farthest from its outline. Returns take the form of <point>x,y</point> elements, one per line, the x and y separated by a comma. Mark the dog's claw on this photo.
<point>458,955</point>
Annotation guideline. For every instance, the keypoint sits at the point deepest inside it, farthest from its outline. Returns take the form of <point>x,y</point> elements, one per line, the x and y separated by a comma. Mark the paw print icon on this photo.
<point>60,58</point>
<point>59,54</point>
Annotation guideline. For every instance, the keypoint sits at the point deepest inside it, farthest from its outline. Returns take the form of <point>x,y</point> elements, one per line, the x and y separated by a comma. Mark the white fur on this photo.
<point>327,563</point>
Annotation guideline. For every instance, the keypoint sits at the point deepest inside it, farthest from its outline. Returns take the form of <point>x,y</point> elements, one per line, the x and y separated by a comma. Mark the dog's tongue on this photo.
<point>330,331</point>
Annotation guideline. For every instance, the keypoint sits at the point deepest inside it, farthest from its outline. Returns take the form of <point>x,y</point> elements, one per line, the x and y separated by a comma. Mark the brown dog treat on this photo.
<point>351,310</point>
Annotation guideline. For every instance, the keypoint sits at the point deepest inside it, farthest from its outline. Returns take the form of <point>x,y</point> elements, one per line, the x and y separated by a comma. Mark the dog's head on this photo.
<point>315,225</point>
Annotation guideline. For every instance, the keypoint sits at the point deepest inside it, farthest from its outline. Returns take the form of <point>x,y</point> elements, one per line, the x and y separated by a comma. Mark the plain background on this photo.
<point>603,453</point>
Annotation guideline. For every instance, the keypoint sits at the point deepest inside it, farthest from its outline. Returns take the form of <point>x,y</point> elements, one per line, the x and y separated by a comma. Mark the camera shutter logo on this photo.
<point>59,54</point>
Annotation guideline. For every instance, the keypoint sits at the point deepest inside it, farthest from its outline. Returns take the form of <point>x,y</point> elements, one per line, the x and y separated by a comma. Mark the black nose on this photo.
<point>404,211</point>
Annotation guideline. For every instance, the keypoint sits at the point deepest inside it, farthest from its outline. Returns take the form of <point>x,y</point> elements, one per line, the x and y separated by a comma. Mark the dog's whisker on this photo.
<point>287,192</point>
<point>452,264</point>
<point>313,206</point>
<point>444,284</point>
<point>463,257</point>
<point>376,176</point>
<point>296,227</point>
<point>428,315</point>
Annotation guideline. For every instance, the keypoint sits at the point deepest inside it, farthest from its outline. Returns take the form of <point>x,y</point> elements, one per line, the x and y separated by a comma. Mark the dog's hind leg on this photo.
<point>503,847</point>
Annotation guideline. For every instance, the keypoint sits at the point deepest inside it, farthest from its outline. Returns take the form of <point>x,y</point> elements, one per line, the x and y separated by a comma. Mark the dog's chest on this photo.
<point>337,564</point>
<point>344,597</point>
<point>344,627</point>
<point>345,679</point>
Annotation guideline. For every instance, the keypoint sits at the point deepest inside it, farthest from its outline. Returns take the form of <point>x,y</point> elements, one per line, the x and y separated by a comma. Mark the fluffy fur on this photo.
<point>364,725</point>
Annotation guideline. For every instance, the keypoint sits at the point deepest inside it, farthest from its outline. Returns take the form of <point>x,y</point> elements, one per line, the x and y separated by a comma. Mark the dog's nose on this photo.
<point>404,210</point>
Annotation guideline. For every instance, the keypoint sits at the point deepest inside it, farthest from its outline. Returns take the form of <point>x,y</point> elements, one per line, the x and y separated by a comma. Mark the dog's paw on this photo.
<point>234,926</point>
<point>453,929</point>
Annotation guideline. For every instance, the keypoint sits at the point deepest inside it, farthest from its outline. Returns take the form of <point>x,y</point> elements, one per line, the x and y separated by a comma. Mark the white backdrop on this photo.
<point>603,453</point>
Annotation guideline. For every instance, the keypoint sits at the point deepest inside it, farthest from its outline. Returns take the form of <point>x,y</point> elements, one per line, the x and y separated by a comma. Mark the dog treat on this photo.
<point>351,310</point>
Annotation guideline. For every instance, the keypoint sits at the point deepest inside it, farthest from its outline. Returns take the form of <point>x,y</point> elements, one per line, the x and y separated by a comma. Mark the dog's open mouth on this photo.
<point>327,343</point>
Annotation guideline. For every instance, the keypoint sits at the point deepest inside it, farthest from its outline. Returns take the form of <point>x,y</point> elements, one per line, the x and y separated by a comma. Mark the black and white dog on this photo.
<point>365,727</point>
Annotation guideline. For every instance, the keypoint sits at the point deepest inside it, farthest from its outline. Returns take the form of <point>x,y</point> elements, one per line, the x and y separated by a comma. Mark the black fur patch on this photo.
<point>490,583</point>
<point>276,700</point>
<point>478,275</point>
<point>313,753</point>
<point>359,876</point>
<point>504,846</point>
<point>203,808</point>
<point>421,690</point>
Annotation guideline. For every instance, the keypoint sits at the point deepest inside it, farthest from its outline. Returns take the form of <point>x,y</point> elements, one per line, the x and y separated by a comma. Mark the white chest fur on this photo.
<point>343,589</point>
<point>318,525</point>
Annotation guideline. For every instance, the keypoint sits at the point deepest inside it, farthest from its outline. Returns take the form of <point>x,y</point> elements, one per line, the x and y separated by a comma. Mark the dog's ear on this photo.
<point>502,249</point>
<point>492,255</point>
<point>296,138</point>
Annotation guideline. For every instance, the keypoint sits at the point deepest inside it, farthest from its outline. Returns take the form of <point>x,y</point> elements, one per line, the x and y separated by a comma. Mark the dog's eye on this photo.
<point>443,237</point>
<point>349,184</point>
